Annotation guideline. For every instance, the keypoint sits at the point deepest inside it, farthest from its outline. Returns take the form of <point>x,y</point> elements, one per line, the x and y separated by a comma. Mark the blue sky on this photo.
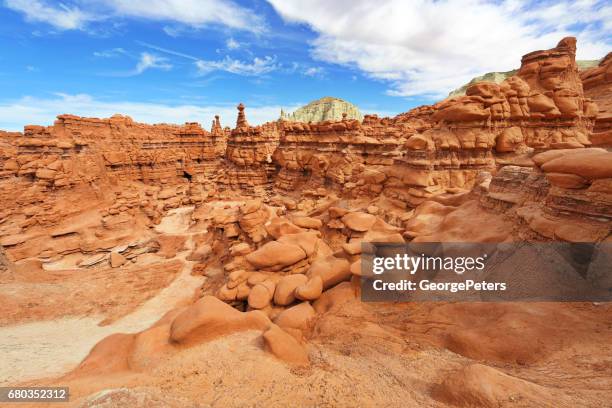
<point>185,60</point>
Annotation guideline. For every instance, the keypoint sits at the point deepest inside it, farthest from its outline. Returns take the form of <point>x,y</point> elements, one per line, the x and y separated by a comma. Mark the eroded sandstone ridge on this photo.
<point>250,238</point>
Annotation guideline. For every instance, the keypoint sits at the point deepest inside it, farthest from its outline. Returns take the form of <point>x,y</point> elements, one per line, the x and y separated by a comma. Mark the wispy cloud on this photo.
<point>114,52</point>
<point>258,66</point>
<point>430,47</point>
<point>314,71</point>
<point>168,51</point>
<point>192,13</point>
<point>173,31</point>
<point>232,44</point>
<point>151,61</point>
<point>29,110</point>
<point>62,17</point>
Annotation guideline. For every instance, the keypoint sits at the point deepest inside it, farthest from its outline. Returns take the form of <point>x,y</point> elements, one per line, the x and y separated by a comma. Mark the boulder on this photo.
<point>260,296</point>
<point>307,222</point>
<point>281,226</point>
<point>276,254</point>
<point>308,241</point>
<point>358,221</point>
<point>285,289</point>
<point>311,290</point>
<point>332,270</point>
<point>209,317</point>
<point>296,317</point>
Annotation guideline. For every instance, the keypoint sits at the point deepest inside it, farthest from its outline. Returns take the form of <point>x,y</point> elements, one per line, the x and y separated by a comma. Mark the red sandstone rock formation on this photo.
<point>249,153</point>
<point>597,84</point>
<point>503,163</point>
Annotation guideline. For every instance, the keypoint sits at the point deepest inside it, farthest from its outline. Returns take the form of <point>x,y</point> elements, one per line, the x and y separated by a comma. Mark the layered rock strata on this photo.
<point>249,154</point>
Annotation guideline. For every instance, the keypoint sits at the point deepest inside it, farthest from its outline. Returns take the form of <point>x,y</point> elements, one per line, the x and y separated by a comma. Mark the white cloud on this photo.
<point>114,52</point>
<point>259,66</point>
<point>232,44</point>
<point>193,13</point>
<point>196,13</point>
<point>62,17</point>
<point>313,71</point>
<point>173,31</point>
<point>43,111</point>
<point>148,61</point>
<point>426,47</point>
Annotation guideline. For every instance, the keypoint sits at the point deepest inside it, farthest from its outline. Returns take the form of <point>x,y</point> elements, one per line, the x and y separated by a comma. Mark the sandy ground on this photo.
<point>53,347</point>
<point>235,371</point>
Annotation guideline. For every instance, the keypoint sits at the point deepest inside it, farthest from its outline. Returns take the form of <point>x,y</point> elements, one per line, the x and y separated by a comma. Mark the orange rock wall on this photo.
<point>409,158</point>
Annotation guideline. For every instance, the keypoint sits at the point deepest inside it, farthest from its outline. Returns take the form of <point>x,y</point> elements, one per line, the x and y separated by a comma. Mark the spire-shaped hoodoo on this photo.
<point>241,121</point>
<point>216,128</point>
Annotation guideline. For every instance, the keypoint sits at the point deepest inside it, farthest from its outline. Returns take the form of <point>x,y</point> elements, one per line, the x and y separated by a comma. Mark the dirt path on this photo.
<point>50,348</point>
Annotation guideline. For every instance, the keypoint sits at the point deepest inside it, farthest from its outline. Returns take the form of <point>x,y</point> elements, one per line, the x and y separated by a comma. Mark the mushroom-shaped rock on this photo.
<point>275,254</point>
<point>358,221</point>
<point>284,346</point>
<point>209,318</point>
<point>296,317</point>
<point>285,289</point>
<point>332,270</point>
<point>311,290</point>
